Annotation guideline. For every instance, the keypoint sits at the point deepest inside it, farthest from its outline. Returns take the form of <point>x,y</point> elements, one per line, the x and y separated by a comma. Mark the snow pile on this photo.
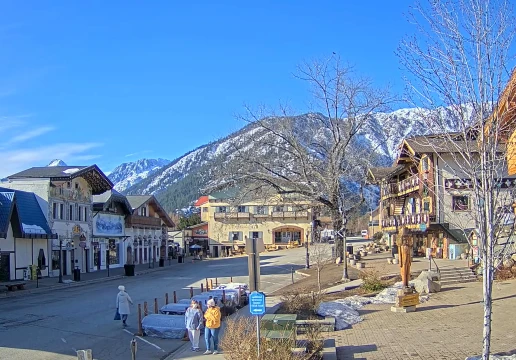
<point>174,309</point>
<point>494,357</point>
<point>345,310</point>
<point>71,171</point>
<point>33,229</point>
<point>344,315</point>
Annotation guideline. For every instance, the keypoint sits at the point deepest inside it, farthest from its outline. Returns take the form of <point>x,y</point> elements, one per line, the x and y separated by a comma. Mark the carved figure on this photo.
<point>405,256</point>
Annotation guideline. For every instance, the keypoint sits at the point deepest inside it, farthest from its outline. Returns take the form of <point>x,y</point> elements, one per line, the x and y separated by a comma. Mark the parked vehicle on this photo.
<point>364,234</point>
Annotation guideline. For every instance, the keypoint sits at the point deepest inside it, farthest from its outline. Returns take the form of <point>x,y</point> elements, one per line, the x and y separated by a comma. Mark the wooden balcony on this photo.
<point>290,214</point>
<point>232,215</point>
<point>138,220</point>
<point>411,221</point>
<point>400,188</point>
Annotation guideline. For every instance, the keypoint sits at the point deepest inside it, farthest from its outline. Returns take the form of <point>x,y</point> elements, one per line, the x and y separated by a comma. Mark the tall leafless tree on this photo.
<point>319,158</point>
<point>459,62</point>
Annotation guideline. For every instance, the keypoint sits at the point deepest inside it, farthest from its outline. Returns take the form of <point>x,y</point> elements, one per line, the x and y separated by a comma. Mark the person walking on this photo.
<point>212,316</point>
<point>193,323</point>
<point>123,300</point>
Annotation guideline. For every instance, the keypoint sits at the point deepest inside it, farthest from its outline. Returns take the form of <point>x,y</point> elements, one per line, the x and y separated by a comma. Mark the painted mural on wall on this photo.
<point>108,225</point>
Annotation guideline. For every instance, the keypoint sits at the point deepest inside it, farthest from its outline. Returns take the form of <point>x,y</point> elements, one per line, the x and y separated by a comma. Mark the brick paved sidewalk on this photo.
<point>448,326</point>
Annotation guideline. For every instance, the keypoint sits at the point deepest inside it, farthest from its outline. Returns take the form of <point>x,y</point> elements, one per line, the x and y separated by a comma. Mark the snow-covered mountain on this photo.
<point>57,162</point>
<point>131,173</point>
<point>178,184</point>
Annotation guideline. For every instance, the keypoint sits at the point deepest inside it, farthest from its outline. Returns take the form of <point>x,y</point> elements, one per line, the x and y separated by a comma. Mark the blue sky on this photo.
<point>108,82</point>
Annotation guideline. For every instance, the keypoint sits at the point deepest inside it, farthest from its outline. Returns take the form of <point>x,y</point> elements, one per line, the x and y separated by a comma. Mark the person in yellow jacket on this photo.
<point>212,316</point>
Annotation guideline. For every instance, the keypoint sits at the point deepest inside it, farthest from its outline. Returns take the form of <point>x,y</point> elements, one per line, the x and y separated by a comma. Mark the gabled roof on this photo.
<point>25,209</point>
<point>103,201</point>
<point>380,173</point>
<point>196,225</point>
<point>6,209</point>
<point>138,200</point>
<point>202,200</point>
<point>98,181</point>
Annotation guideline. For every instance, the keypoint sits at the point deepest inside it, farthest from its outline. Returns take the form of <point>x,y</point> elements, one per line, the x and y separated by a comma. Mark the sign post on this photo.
<point>257,307</point>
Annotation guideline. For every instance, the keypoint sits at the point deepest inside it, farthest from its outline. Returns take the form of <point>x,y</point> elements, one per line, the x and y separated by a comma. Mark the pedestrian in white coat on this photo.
<point>123,300</point>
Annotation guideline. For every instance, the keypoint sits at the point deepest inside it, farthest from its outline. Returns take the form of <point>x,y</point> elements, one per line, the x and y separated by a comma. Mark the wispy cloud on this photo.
<point>17,160</point>
<point>138,153</point>
<point>30,134</point>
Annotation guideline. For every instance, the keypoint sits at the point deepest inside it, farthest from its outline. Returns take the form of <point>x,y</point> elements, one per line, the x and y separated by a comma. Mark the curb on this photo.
<point>301,273</point>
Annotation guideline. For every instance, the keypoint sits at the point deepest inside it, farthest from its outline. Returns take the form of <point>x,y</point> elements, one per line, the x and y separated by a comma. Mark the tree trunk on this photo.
<point>337,225</point>
<point>319,278</point>
<point>345,275</point>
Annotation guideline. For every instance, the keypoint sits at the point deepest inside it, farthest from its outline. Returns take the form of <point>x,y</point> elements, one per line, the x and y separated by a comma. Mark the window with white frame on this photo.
<point>255,234</point>
<point>55,211</point>
<point>61,211</point>
<point>242,209</point>
<point>222,209</point>
<point>70,212</point>
<point>279,208</point>
<point>235,236</point>
<point>260,210</point>
<point>143,211</point>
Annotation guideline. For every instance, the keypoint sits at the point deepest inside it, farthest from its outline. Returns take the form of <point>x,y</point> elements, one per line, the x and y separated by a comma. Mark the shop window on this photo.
<point>114,252</point>
<point>460,203</point>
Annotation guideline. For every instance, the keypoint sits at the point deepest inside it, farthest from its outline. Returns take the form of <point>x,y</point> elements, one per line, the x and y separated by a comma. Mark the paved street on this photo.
<point>52,325</point>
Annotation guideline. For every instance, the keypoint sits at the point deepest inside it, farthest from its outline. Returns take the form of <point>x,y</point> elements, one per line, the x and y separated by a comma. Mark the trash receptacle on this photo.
<point>161,262</point>
<point>180,259</point>
<point>129,269</point>
<point>76,274</point>
<point>349,249</point>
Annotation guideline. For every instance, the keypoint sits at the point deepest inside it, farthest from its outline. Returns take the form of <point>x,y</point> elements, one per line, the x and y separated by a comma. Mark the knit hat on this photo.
<point>121,288</point>
<point>211,302</point>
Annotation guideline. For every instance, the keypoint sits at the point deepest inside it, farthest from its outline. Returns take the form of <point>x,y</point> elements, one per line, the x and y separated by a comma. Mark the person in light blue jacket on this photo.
<point>194,323</point>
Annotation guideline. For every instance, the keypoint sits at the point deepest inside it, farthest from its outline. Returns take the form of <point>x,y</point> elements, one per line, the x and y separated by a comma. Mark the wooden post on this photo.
<point>140,330</point>
<point>175,297</point>
<point>145,309</point>
<point>231,279</point>
<point>166,298</point>
<point>191,292</point>
<point>216,282</point>
<point>202,288</point>
<point>211,284</point>
<point>207,287</point>
<point>155,305</point>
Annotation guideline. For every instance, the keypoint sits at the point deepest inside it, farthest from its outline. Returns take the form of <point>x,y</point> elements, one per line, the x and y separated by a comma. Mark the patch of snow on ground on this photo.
<point>345,310</point>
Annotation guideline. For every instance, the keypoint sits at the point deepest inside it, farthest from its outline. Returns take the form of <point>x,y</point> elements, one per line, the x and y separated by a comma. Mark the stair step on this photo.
<point>448,282</point>
<point>458,278</point>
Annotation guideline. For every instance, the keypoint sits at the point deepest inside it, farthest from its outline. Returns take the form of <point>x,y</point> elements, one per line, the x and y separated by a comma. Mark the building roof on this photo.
<point>379,173</point>
<point>98,181</point>
<point>104,200</point>
<point>202,200</point>
<point>138,200</point>
<point>26,211</point>
<point>6,208</point>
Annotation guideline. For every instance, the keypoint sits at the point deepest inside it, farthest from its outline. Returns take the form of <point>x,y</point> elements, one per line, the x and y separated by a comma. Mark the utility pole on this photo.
<point>60,259</point>
<point>307,256</point>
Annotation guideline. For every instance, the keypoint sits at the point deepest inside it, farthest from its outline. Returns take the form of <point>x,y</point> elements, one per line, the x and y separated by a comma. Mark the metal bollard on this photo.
<point>134,348</point>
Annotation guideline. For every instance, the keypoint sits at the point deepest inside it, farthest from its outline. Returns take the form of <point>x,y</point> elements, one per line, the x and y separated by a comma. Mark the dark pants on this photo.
<point>213,333</point>
<point>124,318</point>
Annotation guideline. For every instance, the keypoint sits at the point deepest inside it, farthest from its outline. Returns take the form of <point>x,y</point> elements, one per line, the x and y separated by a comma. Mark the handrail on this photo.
<point>431,258</point>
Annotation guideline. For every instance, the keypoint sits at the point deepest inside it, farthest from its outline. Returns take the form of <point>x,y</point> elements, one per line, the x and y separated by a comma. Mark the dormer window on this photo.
<point>143,211</point>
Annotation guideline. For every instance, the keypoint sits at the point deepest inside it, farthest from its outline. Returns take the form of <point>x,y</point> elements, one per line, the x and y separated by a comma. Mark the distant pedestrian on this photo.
<point>193,323</point>
<point>212,316</point>
<point>123,300</point>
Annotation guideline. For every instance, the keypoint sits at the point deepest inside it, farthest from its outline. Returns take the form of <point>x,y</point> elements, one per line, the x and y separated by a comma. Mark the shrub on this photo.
<point>239,343</point>
<point>372,281</point>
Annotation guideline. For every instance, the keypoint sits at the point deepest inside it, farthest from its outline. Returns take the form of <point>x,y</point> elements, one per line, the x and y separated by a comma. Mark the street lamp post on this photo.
<point>60,259</point>
<point>307,253</point>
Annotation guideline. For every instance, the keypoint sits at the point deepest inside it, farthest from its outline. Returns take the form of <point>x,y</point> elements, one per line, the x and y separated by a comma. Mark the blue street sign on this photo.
<point>257,303</point>
<point>422,227</point>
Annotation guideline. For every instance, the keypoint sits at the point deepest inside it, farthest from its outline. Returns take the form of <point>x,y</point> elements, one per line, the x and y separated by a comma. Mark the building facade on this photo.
<point>280,222</point>
<point>424,193</point>
<point>110,242</point>
<point>25,236</point>
<point>64,194</point>
<point>147,229</point>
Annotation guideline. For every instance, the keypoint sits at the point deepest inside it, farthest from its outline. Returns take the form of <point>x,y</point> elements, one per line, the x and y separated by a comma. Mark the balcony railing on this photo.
<point>232,215</point>
<point>274,214</point>
<point>290,214</point>
<point>403,186</point>
<point>69,194</point>
<point>138,220</point>
<point>407,219</point>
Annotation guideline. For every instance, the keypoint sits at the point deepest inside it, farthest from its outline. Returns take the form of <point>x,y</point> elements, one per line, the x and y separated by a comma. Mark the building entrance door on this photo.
<point>216,251</point>
<point>5,267</point>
